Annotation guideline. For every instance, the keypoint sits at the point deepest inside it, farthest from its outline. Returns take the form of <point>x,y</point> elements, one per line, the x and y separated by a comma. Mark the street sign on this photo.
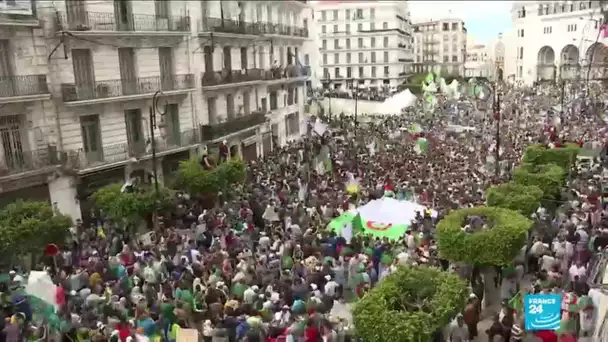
<point>542,311</point>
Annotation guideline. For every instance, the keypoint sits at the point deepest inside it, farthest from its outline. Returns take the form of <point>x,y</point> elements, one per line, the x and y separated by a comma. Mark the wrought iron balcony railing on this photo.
<point>217,130</point>
<point>97,21</point>
<point>215,78</point>
<point>11,86</point>
<point>125,87</point>
<point>16,161</point>
<point>210,24</point>
<point>283,30</point>
<point>175,140</point>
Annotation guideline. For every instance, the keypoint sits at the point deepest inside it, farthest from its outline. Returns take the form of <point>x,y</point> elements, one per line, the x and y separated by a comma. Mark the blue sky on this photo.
<point>483,19</point>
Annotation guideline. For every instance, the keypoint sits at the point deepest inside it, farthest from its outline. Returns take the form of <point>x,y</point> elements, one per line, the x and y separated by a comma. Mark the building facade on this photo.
<point>89,88</point>
<point>440,45</point>
<point>556,40</point>
<point>363,44</point>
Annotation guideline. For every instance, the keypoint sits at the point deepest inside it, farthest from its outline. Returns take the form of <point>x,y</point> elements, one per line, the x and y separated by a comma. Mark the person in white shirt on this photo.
<point>330,287</point>
<point>577,271</point>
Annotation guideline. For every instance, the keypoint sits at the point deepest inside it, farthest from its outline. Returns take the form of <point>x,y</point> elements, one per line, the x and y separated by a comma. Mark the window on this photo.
<point>454,58</point>
<point>335,14</point>
<point>323,15</point>
<point>548,30</point>
<point>360,57</point>
<point>91,138</point>
<point>134,128</point>
<point>521,53</point>
<point>359,13</point>
<point>373,56</point>
<point>372,26</point>
<point>326,72</point>
<point>373,42</point>
<point>128,76</point>
<point>292,122</point>
<point>324,44</point>
<point>84,78</point>
<point>446,59</point>
<point>335,28</point>
<point>347,16</point>
<point>582,6</point>
<point>336,44</point>
<point>359,42</point>
<point>446,37</point>
<point>349,72</point>
<point>336,58</point>
<point>359,27</point>
<point>385,70</point>
<point>337,72</point>
<point>230,106</point>
<point>520,33</point>
<point>522,12</point>
<point>324,58</point>
<point>445,27</point>
<point>373,71</point>
<point>372,13</point>
<point>385,25</point>
<point>572,28</point>
<point>306,59</point>
<point>348,58</point>
<point>385,56</point>
<point>361,72</point>
<point>385,41</point>
<point>348,43</point>
<point>347,30</point>
<point>454,26</point>
<point>323,29</point>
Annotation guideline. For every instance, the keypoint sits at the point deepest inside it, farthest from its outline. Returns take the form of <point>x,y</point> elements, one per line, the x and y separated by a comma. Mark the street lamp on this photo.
<point>153,111</point>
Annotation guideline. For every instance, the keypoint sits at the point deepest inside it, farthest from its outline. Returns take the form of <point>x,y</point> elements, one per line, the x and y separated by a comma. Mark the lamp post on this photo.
<point>153,111</point>
<point>497,117</point>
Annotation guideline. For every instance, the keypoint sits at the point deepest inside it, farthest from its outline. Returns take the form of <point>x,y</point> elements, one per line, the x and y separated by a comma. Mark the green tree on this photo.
<point>409,305</point>
<point>132,207</point>
<point>547,177</point>
<point>192,178</point>
<point>28,226</point>
<point>498,244</point>
<point>539,154</point>
<point>521,198</point>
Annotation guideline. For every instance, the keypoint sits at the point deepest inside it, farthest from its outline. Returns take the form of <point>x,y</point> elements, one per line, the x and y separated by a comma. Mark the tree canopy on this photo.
<point>547,177</point>
<point>131,206</point>
<point>409,305</point>
<point>28,226</point>
<point>521,198</point>
<point>497,244</point>
<point>191,177</point>
<point>539,154</point>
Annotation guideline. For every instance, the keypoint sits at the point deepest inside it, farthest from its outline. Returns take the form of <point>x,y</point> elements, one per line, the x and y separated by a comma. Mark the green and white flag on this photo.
<point>422,145</point>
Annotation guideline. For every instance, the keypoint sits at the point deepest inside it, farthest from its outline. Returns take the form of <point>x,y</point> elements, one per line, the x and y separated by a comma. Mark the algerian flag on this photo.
<point>340,222</point>
<point>385,217</point>
<point>429,78</point>
<point>422,145</point>
<point>517,302</point>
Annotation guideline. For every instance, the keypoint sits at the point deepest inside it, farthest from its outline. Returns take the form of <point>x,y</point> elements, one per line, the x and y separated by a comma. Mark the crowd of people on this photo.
<point>261,265</point>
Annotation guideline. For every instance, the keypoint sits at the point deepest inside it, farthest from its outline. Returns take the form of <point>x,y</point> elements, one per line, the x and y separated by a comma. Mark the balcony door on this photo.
<point>172,124</point>
<point>76,11</point>
<point>208,56</point>
<point>165,58</point>
<point>135,132</point>
<point>128,71</point>
<point>289,56</point>
<point>230,106</point>
<point>7,84</point>
<point>212,110</point>
<point>162,10</point>
<point>84,76</point>
<point>246,103</point>
<point>123,14</point>
<point>12,143</point>
<point>227,58</point>
<point>91,138</point>
<point>244,61</point>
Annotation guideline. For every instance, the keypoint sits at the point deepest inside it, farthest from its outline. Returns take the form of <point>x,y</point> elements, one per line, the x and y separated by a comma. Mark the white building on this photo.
<point>363,44</point>
<point>78,83</point>
<point>478,61</point>
<point>440,45</point>
<point>556,40</point>
<point>312,54</point>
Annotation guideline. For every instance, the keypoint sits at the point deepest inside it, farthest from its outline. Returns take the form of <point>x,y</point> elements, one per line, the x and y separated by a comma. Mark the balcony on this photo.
<point>125,90</point>
<point>222,129</point>
<point>271,29</point>
<point>23,161</point>
<point>103,24</point>
<point>215,80</point>
<point>123,152</point>
<point>228,27</point>
<point>23,88</point>
<point>292,73</point>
